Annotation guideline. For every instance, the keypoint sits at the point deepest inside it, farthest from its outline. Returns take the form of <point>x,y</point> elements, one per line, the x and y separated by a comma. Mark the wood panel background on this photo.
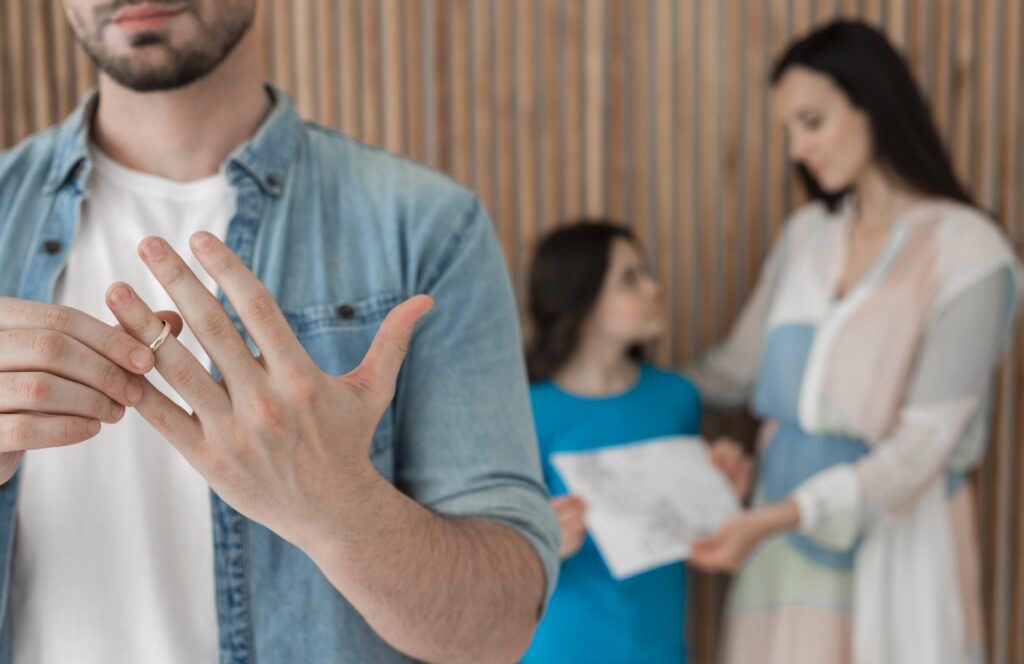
<point>655,112</point>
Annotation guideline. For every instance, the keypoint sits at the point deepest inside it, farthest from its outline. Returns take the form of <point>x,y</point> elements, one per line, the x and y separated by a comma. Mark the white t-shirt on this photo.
<point>113,554</point>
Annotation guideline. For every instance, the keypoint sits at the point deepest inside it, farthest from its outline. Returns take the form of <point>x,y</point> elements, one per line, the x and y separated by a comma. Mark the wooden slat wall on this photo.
<point>652,111</point>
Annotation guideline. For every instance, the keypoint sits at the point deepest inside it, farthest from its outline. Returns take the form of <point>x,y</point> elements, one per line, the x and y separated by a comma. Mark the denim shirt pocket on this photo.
<point>337,337</point>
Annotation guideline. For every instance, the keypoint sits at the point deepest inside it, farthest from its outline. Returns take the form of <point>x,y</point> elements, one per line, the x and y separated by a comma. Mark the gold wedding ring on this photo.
<point>164,333</point>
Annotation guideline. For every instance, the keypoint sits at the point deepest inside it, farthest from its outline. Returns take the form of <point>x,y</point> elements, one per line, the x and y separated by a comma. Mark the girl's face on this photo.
<point>628,310</point>
<point>825,132</point>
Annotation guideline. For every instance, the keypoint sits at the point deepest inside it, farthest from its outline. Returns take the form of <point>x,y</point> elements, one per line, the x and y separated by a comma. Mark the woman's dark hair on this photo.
<point>566,277</point>
<point>865,66</point>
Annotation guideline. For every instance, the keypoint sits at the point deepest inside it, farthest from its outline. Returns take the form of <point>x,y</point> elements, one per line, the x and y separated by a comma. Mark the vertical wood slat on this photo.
<point>505,204</point>
<point>571,89</point>
<point>284,45</point>
<point>349,79</point>
<point>662,126</point>
<point>458,126</point>
<point>708,134</point>
<point>593,112</point>
<point>655,112</point>
<point>528,162</point>
<point>776,203</point>
<point>393,100</point>
<point>639,144</point>
<point>896,27</point>
<point>370,56</point>
<point>324,59</point>
<point>482,77</point>
<point>730,162</point>
<point>550,54</point>
<point>305,83</point>
<point>942,97</point>
<point>415,113</point>
<point>756,112</point>
<point>684,103</point>
<point>42,69</point>
<point>7,136</point>
<point>616,173</point>
<point>263,35</point>
<point>20,104</point>
<point>963,89</point>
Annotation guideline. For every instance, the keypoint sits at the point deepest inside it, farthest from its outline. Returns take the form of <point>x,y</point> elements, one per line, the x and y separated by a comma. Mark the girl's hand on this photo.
<point>570,511</point>
<point>728,456</point>
<point>727,549</point>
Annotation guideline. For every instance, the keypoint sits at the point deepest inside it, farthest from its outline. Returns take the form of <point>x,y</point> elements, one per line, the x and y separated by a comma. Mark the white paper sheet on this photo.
<point>647,501</point>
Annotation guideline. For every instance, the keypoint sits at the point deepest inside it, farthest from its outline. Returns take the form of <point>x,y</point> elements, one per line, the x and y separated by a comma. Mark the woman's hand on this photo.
<point>727,549</point>
<point>728,456</point>
<point>570,511</point>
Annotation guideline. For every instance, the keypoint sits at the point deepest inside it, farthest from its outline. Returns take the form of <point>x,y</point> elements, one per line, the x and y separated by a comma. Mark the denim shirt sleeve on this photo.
<point>465,439</point>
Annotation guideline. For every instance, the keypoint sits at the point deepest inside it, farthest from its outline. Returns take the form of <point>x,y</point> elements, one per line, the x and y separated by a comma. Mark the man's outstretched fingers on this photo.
<point>170,420</point>
<point>264,322</point>
<point>209,322</point>
<point>179,367</point>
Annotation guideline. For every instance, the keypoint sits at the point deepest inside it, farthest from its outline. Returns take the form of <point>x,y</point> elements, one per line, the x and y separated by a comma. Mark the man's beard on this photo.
<point>182,64</point>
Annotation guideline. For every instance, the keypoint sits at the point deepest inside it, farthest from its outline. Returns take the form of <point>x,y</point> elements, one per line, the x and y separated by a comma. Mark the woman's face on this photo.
<point>628,310</point>
<point>825,132</point>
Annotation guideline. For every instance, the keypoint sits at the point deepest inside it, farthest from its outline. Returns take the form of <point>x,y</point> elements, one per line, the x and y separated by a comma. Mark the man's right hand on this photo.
<point>62,373</point>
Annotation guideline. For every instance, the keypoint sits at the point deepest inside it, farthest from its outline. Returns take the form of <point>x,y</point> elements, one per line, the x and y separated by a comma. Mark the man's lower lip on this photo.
<point>143,23</point>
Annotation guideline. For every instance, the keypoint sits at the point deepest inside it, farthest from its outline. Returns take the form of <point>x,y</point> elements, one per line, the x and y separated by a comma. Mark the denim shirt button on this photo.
<point>346,311</point>
<point>52,246</point>
<point>272,182</point>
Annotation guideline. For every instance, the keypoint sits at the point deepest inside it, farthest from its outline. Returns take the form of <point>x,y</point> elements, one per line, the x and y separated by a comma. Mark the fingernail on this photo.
<point>93,428</point>
<point>201,241</point>
<point>117,412</point>
<point>120,296</point>
<point>153,248</point>
<point>134,392</point>
<point>140,359</point>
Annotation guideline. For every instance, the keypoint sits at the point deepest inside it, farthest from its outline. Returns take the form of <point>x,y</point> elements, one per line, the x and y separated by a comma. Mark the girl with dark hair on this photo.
<point>868,349</point>
<point>592,306</point>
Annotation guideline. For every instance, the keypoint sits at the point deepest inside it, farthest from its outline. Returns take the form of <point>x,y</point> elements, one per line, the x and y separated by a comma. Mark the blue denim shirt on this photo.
<point>339,232</point>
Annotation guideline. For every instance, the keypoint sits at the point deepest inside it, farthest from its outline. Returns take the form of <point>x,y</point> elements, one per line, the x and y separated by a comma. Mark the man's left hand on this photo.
<point>279,440</point>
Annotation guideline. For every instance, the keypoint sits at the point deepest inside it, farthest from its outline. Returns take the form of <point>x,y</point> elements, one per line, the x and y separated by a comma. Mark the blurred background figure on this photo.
<point>593,304</point>
<point>868,349</point>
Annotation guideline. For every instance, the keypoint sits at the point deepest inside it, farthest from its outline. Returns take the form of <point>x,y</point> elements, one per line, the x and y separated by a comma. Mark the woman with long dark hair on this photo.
<point>593,304</point>
<point>868,349</point>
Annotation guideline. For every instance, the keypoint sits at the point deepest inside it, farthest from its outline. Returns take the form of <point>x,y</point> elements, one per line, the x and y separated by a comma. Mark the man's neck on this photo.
<point>184,134</point>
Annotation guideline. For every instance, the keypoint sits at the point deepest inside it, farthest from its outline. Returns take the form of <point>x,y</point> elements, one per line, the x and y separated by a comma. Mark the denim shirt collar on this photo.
<point>265,157</point>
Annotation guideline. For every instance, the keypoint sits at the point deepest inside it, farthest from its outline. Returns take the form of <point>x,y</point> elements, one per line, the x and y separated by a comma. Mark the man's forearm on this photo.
<point>437,588</point>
